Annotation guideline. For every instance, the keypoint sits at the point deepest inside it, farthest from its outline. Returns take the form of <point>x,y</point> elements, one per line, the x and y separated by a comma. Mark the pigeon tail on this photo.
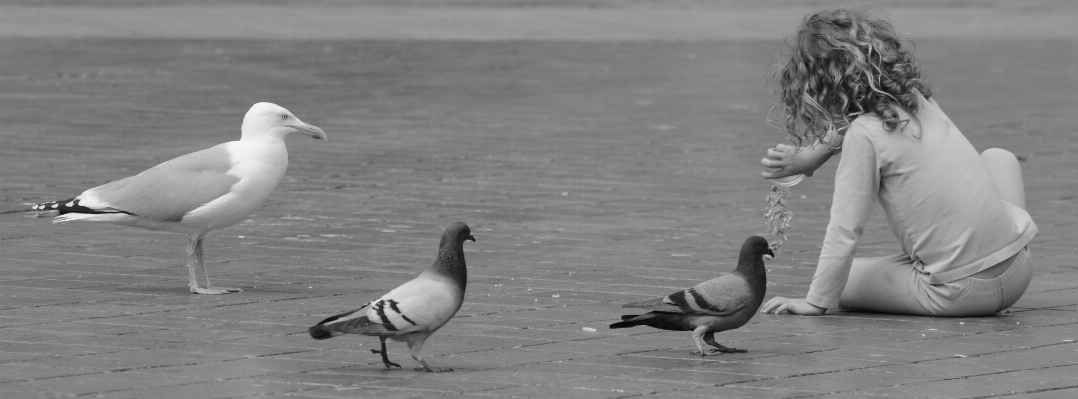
<point>650,303</point>
<point>630,320</point>
<point>660,320</point>
<point>319,332</point>
<point>333,325</point>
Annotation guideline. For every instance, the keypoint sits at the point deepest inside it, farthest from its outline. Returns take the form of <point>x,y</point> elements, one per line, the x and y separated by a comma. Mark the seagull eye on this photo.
<point>284,116</point>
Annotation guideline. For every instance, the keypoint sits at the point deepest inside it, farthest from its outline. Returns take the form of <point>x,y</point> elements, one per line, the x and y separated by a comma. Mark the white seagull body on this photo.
<point>198,192</point>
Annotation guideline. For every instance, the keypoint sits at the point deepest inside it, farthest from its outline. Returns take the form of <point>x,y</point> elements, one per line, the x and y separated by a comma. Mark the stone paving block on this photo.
<point>951,388</point>
<point>849,381</point>
<point>438,386</point>
<point>354,392</point>
<point>19,371</point>
<point>739,392</point>
<point>216,389</point>
<point>1042,379</point>
<point>694,375</point>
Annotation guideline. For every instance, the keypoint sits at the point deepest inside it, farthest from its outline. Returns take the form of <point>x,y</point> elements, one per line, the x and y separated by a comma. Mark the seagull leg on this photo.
<point>710,339</point>
<point>205,275</point>
<point>415,346</point>
<point>192,284</point>
<point>698,338</point>
<point>385,357</point>
<point>194,256</point>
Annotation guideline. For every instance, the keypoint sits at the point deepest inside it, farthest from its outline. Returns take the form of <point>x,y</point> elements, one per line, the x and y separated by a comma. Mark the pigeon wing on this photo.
<point>723,295</point>
<point>716,297</point>
<point>423,304</point>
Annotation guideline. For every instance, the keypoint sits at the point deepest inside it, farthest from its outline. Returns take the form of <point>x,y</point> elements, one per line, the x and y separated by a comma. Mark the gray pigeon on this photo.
<point>716,305</point>
<point>415,310</point>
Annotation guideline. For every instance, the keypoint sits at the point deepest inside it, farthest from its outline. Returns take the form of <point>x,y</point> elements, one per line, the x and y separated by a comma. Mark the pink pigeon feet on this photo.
<point>435,369</point>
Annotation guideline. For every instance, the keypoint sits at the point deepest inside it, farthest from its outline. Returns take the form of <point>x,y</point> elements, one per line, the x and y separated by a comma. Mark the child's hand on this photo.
<point>793,306</point>
<point>785,160</point>
<point>780,162</point>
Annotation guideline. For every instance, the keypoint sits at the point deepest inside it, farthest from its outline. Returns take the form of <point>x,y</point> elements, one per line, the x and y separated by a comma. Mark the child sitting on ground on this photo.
<point>851,85</point>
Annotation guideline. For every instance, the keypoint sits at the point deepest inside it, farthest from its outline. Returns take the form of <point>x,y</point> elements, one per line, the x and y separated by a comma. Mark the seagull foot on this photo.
<point>228,289</point>
<point>435,369</point>
<point>705,354</point>
<point>209,291</point>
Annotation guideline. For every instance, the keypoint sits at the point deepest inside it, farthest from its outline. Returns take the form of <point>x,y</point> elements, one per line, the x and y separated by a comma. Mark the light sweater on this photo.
<point>940,202</point>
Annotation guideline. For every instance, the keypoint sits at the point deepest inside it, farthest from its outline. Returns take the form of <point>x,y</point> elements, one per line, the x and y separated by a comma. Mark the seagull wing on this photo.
<point>168,191</point>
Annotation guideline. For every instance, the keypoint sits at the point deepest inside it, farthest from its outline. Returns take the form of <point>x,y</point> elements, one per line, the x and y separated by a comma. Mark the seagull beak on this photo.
<point>471,237</point>
<point>311,130</point>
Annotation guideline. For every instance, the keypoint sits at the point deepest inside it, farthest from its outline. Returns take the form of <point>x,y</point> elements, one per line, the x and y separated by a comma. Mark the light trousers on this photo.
<point>892,284</point>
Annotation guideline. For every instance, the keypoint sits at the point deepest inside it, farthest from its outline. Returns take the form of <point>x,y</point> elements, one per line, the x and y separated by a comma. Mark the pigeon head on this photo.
<point>756,248</point>
<point>751,261</point>
<point>458,232</point>
<point>268,119</point>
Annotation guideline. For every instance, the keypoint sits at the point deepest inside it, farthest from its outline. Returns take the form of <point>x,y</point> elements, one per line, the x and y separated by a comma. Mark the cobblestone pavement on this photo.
<point>592,173</point>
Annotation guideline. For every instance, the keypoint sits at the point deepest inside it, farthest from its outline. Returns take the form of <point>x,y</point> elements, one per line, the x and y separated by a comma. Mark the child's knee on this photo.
<point>997,155</point>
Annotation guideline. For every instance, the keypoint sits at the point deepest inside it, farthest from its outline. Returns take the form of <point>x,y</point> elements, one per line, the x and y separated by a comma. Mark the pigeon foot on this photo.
<point>435,369</point>
<point>705,354</point>
<point>723,349</point>
<point>385,360</point>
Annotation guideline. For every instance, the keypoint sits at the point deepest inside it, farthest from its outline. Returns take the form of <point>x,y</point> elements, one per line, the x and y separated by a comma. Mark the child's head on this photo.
<point>841,64</point>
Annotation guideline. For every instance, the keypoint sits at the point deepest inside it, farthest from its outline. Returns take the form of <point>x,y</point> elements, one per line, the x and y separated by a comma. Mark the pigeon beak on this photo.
<point>471,237</point>
<point>768,256</point>
<point>311,130</point>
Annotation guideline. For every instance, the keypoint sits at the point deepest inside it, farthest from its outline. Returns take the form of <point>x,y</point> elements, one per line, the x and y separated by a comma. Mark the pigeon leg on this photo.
<point>202,265</point>
<point>698,338</point>
<point>415,346</point>
<point>385,357</point>
<point>710,339</point>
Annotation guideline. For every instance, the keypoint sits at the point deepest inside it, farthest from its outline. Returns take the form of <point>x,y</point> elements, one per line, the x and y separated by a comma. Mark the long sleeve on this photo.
<point>857,184</point>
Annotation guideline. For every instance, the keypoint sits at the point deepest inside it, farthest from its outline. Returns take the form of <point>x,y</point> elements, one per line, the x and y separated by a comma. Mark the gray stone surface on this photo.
<point>592,172</point>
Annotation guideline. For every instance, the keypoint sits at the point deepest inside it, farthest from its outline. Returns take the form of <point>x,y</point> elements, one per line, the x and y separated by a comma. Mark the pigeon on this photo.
<point>416,309</point>
<point>198,192</point>
<point>723,303</point>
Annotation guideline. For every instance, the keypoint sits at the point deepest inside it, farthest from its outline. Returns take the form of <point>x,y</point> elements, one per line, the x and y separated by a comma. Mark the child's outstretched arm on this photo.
<point>793,306</point>
<point>784,160</point>
<point>857,182</point>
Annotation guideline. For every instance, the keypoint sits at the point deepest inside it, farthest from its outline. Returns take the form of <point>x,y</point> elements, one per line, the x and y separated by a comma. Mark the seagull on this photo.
<point>722,303</point>
<point>416,309</point>
<point>198,192</point>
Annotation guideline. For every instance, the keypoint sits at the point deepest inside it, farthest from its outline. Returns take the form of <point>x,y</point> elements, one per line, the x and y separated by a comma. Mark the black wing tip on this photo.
<point>71,205</point>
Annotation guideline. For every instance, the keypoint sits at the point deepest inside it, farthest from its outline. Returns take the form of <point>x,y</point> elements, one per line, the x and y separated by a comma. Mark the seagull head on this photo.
<point>268,119</point>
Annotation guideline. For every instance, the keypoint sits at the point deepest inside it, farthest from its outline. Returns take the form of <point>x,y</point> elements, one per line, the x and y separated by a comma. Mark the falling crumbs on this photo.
<point>778,214</point>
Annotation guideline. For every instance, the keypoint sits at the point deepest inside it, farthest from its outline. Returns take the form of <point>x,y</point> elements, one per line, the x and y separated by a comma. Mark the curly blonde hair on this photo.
<point>841,64</point>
